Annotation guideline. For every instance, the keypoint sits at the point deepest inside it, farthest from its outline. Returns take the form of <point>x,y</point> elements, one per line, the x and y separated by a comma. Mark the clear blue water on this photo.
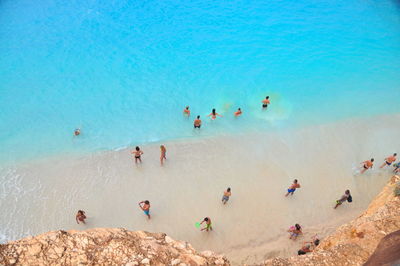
<point>124,70</point>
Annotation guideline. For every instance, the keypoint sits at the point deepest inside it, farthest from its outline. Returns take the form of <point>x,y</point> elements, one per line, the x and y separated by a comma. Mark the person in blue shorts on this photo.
<point>145,206</point>
<point>292,188</point>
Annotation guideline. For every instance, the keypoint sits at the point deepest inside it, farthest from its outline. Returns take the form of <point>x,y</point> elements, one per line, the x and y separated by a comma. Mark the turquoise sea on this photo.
<point>123,70</point>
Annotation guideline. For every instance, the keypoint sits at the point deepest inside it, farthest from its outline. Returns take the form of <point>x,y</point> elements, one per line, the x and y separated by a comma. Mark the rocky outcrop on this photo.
<point>104,247</point>
<point>354,242</point>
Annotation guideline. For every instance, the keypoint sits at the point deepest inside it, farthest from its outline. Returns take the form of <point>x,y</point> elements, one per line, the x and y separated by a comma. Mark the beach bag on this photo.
<point>350,198</point>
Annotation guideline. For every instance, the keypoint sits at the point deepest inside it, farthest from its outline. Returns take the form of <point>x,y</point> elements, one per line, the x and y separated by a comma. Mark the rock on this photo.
<point>145,261</point>
<point>175,262</point>
<point>169,240</point>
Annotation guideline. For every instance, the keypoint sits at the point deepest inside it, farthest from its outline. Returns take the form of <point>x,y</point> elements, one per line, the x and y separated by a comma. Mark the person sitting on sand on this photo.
<point>214,114</point>
<point>345,196</point>
<point>238,112</point>
<point>145,206</point>
<point>367,165</point>
<point>309,246</point>
<point>292,188</point>
<point>265,102</point>
<point>226,195</point>
<point>396,168</point>
<point>208,227</point>
<point>304,249</point>
<point>77,132</point>
<point>138,153</point>
<point>163,154</point>
<point>295,231</point>
<point>197,122</point>
<point>80,217</point>
<point>186,111</point>
<point>389,160</point>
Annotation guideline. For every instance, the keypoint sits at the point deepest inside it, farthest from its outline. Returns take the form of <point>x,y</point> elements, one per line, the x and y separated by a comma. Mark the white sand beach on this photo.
<point>44,195</point>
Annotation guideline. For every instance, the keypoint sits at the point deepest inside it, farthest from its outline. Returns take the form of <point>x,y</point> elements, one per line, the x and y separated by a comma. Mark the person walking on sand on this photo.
<point>367,165</point>
<point>238,112</point>
<point>138,153</point>
<point>197,122</point>
<point>265,102</point>
<point>80,217</point>
<point>208,227</point>
<point>226,195</point>
<point>186,111</point>
<point>292,188</point>
<point>214,114</point>
<point>389,160</point>
<point>163,154</point>
<point>345,196</point>
<point>295,231</point>
<point>145,206</point>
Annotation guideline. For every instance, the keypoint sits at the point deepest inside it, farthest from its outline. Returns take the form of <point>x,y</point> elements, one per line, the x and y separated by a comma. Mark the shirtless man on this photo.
<point>145,206</point>
<point>208,227</point>
<point>138,153</point>
<point>238,112</point>
<point>226,195</point>
<point>186,111</point>
<point>80,217</point>
<point>367,165</point>
<point>163,154</point>
<point>344,197</point>
<point>214,114</point>
<point>197,122</point>
<point>292,188</point>
<point>265,102</point>
<point>389,160</point>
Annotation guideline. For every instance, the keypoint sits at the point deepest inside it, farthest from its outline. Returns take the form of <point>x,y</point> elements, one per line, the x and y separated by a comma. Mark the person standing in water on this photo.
<point>163,154</point>
<point>80,217</point>
<point>186,111</point>
<point>367,165</point>
<point>265,102</point>
<point>345,196</point>
<point>292,188</point>
<point>138,153</point>
<point>238,112</point>
<point>295,231</point>
<point>214,114</point>
<point>389,160</point>
<point>208,227</point>
<point>145,206</point>
<point>77,132</point>
<point>197,122</point>
<point>226,195</point>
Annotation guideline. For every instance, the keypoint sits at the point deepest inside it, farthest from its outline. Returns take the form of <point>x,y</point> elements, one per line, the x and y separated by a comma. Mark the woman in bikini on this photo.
<point>214,114</point>
<point>138,153</point>
<point>80,217</point>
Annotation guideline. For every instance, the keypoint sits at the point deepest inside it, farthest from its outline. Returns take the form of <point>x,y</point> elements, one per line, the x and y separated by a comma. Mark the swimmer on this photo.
<point>197,122</point>
<point>238,112</point>
<point>226,195</point>
<point>145,206</point>
<point>367,165</point>
<point>186,111</point>
<point>295,231</point>
<point>344,197</point>
<point>214,114</point>
<point>265,102</point>
<point>163,154</point>
<point>292,188</point>
<point>77,132</point>
<point>396,168</point>
<point>208,227</point>
<point>80,217</point>
<point>138,153</point>
<point>389,160</point>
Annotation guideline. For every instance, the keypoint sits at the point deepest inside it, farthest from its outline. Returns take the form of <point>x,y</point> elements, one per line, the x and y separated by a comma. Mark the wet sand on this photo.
<point>44,195</point>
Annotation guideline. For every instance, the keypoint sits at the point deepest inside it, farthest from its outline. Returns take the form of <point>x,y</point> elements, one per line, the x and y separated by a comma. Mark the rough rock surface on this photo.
<point>353,243</point>
<point>104,247</point>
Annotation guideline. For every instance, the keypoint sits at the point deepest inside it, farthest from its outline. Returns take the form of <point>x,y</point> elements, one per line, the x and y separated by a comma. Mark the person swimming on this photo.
<point>197,122</point>
<point>295,231</point>
<point>265,102</point>
<point>208,227</point>
<point>226,195</point>
<point>292,188</point>
<point>138,153</point>
<point>214,114</point>
<point>367,165</point>
<point>389,160</point>
<point>345,196</point>
<point>77,132</point>
<point>186,111</point>
<point>238,112</point>
<point>163,154</point>
<point>80,217</point>
<point>145,206</point>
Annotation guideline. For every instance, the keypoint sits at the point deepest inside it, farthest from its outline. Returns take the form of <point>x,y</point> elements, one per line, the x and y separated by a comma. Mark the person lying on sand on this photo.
<point>389,160</point>
<point>138,153</point>
<point>345,196</point>
<point>367,165</point>
<point>226,195</point>
<point>309,246</point>
<point>265,102</point>
<point>80,217</point>
<point>163,154</point>
<point>295,231</point>
<point>197,122</point>
<point>145,206</point>
<point>186,111</point>
<point>214,114</point>
<point>208,227</point>
<point>292,188</point>
<point>238,112</point>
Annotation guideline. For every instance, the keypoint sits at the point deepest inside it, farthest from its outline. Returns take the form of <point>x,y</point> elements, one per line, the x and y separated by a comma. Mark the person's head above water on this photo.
<point>295,181</point>
<point>229,189</point>
<point>147,202</point>
<point>187,107</point>
<point>298,227</point>
<point>137,148</point>
<point>198,117</point>
<point>372,159</point>
<point>239,109</point>
<point>206,219</point>
<point>213,111</point>
<point>347,192</point>
<point>77,132</point>
<point>394,154</point>
<point>80,212</point>
<point>267,97</point>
